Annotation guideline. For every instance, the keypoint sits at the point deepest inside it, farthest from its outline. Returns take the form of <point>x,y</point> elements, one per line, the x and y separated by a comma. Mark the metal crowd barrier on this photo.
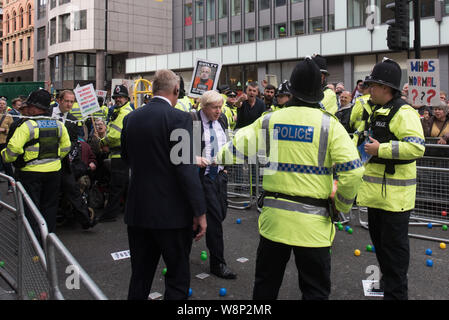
<point>27,262</point>
<point>240,186</point>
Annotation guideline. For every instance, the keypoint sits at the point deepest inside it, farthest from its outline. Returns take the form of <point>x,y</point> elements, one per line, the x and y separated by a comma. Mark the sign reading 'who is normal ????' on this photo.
<point>424,81</point>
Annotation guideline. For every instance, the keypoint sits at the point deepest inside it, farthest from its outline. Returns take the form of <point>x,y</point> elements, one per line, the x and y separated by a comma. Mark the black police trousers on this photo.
<point>389,234</point>
<point>71,191</point>
<point>313,264</point>
<point>215,192</point>
<point>118,187</point>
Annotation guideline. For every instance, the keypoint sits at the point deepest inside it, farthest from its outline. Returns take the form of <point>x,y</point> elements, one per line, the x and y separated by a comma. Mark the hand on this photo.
<point>92,166</point>
<point>202,162</point>
<point>2,130</point>
<point>334,189</point>
<point>105,149</point>
<point>373,147</point>
<point>442,141</point>
<point>201,223</point>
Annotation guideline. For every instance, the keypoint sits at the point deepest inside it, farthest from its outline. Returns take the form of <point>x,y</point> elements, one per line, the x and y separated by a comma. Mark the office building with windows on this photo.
<point>256,39</point>
<point>72,38</point>
<point>17,40</point>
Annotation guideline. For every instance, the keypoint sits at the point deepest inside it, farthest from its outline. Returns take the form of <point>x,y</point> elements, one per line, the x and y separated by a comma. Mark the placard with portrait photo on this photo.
<point>205,78</point>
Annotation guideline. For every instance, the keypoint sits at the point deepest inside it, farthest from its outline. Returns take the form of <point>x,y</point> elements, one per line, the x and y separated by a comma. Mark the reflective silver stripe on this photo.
<point>395,149</point>
<point>113,126</point>
<point>59,129</point>
<point>322,106</point>
<point>266,127</point>
<point>344,200</point>
<point>32,149</point>
<point>183,106</point>
<point>44,161</point>
<point>31,128</point>
<point>11,154</point>
<point>390,182</point>
<point>66,149</point>
<point>296,207</point>
<point>234,151</point>
<point>324,139</point>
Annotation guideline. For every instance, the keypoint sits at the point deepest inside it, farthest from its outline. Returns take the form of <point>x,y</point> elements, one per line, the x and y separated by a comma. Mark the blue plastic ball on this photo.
<point>429,252</point>
<point>223,292</point>
<point>429,263</point>
<point>373,249</point>
<point>239,221</point>
<point>347,228</point>
<point>429,226</point>
<point>190,292</point>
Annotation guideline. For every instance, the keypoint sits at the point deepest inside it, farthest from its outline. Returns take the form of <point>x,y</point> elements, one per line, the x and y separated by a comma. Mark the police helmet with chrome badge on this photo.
<point>120,91</point>
<point>283,89</point>
<point>388,73</point>
<point>305,82</point>
<point>321,62</point>
<point>40,99</point>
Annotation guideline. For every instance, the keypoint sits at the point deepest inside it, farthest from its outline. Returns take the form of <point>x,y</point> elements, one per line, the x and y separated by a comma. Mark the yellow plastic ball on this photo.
<point>357,253</point>
<point>36,259</point>
<point>442,245</point>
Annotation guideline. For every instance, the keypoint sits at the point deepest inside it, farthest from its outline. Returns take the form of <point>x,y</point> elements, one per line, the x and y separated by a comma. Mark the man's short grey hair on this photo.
<point>211,98</point>
<point>165,81</point>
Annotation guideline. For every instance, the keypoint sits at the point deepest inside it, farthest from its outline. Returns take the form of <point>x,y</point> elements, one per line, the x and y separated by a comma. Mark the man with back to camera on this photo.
<point>166,200</point>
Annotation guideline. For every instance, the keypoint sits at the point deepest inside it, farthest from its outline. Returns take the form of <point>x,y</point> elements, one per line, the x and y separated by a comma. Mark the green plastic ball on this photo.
<point>350,231</point>
<point>204,257</point>
<point>2,264</point>
<point>282,29</point>
<point>164,271</point>
<point>369,248</point>
<point>444,227</point>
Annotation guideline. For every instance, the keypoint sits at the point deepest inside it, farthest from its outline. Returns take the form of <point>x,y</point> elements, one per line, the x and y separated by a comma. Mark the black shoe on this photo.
<point>92,220</point>
<point>222,271</point>
<point>106,218</point>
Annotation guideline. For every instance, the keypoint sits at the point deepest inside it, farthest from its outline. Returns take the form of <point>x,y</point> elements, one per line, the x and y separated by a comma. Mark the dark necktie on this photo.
<point>213,170</point>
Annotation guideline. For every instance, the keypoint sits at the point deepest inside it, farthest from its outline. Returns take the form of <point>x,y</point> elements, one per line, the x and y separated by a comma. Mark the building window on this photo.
<point>222,9</point>
<point>210,10</point>
<point>52,4</point>
<point>14,21</point>
<point>316,16</point>
<point>63,1</point>
<point>235,7</point>
<point>52,31</point>
<point>20,50</point>
<point>250,6</point>
<point>68,65</point>
<point>330,15</point>
<point>30,16</point>
<point>188,45</point>
<point>264,33</point>
<point>297,27</point>
<point>211,42</point>
<point>280,31</point>
<point>85,67</point>
<point>64,28</point>
<point>41,70</point>
<point>223,39</point>
<point>188,14</point>
<point>80,22</point>
<point>297,1</point>
<point>28,48</point>
<point>21,18</point>
<point>13,52</point>
<point>264,4</point>
<point>316,25</point>
<point>199,11</point>
<point>280,3</point>
<point>250,35</point>
<point>236,37</point>
<point>41,9</point>
<point>446,6</point>
<point>7,53</point>
<point>357,12</point>
<point>199,43</point>
<point>8,24</point>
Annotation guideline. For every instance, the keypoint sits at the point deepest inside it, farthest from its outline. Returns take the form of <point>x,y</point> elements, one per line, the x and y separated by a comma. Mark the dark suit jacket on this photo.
<point>161,195</point>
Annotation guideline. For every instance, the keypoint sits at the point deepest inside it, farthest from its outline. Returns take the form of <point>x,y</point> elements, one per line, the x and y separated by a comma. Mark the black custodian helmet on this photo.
<point>283,88</point>
<point>387,72</point>
<point>120,91</point>
<point>40,99</point>
<point>321,62</point>
<point>305,82</point>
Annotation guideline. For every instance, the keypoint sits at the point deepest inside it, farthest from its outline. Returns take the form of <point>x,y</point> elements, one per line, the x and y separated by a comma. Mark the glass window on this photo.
<point>20,50</point>
<point>222,9</point>
<point>68,67</point>
<point>52,4</point>
<point>41,39</point>
<point>28,48</point>
<point>427,8</point>
<point>297,1</point>
<point>13,52</point>
<point>235,7</point>
<point>316,25</point>
<point>357,12</point>
<point>64,28</point>
<point>188,14</point>
<point>264,4</point>
<point>81,59</point>
<point>236,37</point>
<point>223,39</point>
<point>188,45</point>
<point>210,10</point>
<point>41,9</point>
<point>264,33</point>
<point>199,11</point>
<point>280,31</point>
<point>446,6</point>
<point>211,42</point>
<point>297,27</point>
<point>53,31</point>
<point>63,1</point>
<point>316,16</point>
<point>330,15</point>
<point>80,22</point>
<point>199,43</point>
<point>280,3</point>
<point>7,53</point>
<point>250,35</point>
<point>249,6</point>
<point>41,70</point>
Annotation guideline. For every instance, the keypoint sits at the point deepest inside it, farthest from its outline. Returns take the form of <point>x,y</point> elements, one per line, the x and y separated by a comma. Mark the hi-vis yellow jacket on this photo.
<point>303,145</point>
<point>184,104</point>
<point>29,131</point>
<point>329,101</point>
<point>394,192</point>
<point>114,131</point>
<point>361,104</point>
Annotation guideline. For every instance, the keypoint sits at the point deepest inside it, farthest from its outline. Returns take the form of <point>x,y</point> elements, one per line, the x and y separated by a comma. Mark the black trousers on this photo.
<point>215,191</point>
<point>313,264</point>
<point>71,191</point>
<point>389,233</point>
<point>117,188</point>
<point>43,188</point>
<point>6,165</point>
<point>146,248</point>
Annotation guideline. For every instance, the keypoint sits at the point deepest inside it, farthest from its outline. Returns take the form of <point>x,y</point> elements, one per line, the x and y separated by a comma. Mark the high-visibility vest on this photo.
<point>393,189</point>
<point>301,146</point>
<point>184,104</point>
<point>114,131</point>
<point>76,111</point>
<point>329,101</point>
<point>360,112</point>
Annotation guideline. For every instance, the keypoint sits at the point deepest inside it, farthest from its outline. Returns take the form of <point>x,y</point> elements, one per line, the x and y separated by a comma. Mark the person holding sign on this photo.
<point>112,143</point>
<point>395,142</point>
<point>438,124</point>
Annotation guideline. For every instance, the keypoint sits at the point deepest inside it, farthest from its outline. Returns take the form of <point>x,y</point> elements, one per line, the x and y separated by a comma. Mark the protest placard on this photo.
<point>87,100</point>
<point>424,81</point>
<point>205,77</point>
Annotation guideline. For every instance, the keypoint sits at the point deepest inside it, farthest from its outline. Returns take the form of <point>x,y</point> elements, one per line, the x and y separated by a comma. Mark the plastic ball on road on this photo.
<point>444,213</point>
<point>350,231</point>
<point>374,249</point>
<point>223,292</point>
<point>36,259</point>
<point>442,245</point>
<point>2,264</point>
<point>429,263</point>
<point>340,227</point>
<point>239,221</point>
<point>444,227</point>
<point>347,228</point>
<point>204,256</point>
<point>357,253</point>
<point>428,252</point>
<point>43,296</point>
<point>429,225</point>
<point>369,248</point>
<point>164,271</point>
<point>190,292</point>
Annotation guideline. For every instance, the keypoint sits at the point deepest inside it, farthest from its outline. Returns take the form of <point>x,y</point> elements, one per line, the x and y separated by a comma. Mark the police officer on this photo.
<point>329,102</point>
<point>184,103</point>
<point>362,109</point>
<point>112,143</point>
<point>283,96</point>
<point>36,146</point>
<point>389,184</point>
<point>303,142</point>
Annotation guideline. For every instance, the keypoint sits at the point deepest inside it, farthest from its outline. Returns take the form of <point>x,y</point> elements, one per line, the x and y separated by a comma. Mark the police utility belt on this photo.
<point>321,203</point>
